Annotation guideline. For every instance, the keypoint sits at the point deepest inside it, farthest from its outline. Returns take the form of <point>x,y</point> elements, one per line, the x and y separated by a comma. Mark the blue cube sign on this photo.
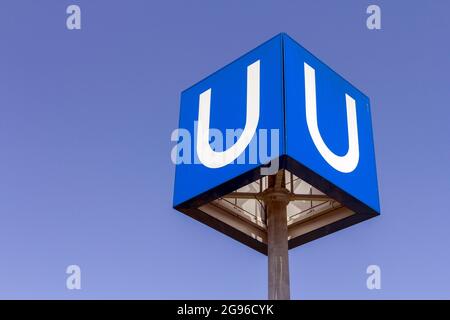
<point>292,109</point>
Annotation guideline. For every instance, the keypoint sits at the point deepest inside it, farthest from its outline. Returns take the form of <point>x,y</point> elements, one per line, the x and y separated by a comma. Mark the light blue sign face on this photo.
<point>328,125</point>
<point>246,94</point>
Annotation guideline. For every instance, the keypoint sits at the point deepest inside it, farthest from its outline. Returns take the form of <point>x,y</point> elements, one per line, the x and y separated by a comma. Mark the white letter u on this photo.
<point>215,159</point>
<point>348,162</point>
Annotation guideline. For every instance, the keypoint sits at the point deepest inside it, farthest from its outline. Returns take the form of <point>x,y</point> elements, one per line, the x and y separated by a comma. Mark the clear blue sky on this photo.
<point>85,170</point>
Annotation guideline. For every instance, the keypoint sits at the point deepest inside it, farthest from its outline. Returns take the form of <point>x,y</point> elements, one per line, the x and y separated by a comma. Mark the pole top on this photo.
<point>278,194</point>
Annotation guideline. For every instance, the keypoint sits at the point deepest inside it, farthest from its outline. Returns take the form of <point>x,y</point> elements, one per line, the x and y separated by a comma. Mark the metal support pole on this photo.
<point>276,199</point>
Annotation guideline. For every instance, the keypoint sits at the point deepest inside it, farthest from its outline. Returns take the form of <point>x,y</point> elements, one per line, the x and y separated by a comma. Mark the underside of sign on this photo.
<point>316,207</point>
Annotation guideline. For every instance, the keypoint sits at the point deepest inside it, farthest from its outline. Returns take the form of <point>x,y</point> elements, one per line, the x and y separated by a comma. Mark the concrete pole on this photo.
<point>276,200</point>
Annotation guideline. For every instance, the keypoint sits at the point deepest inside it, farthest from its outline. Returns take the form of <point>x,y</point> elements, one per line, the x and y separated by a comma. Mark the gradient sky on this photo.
<point>85,170</point>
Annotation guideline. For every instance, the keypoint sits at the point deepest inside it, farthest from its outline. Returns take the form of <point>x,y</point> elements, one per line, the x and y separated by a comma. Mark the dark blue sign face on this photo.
<point>320,122</point>
<point>246,94</point>
<point>328,125</point>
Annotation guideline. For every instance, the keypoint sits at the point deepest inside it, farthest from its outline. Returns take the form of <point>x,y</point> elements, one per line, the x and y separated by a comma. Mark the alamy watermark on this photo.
<point>263,148</point>
<point>373,281</point>
<point>373,22</point>
<point>73,281</point>
<point>73,21</point>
